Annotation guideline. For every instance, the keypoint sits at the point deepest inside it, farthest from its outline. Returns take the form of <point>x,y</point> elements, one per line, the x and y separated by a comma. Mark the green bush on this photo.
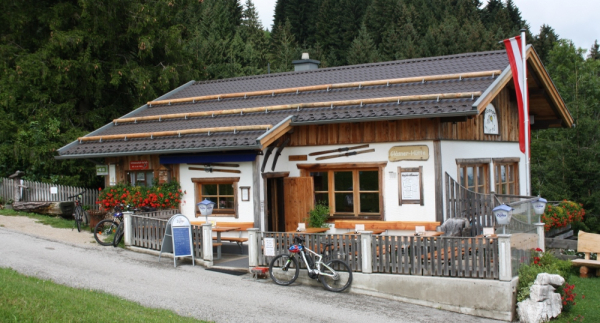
<point>318,216</point>
<point>542,262</point>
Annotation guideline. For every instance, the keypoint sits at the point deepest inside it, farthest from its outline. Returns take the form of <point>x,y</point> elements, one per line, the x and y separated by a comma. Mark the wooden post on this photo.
<point>504,257</point>
<point>253,247</point>
<point>207,243</point>
<point>366,238</point>
<point>128,229</point>
<point>541,235</point>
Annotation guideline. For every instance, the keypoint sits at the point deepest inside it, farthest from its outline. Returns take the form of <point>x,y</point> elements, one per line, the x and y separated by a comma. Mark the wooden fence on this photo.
<point>160,214</point>
<point>463,203</point>
<point>405,255</point>
<point>149,232</point>
<point>41,192</point>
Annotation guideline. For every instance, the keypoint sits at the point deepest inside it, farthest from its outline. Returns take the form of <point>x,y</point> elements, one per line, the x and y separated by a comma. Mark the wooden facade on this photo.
<point>164,173</point>
<point>413,129</point>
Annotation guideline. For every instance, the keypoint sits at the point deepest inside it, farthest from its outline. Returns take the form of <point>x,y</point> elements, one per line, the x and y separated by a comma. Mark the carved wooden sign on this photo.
<point>417,152</point>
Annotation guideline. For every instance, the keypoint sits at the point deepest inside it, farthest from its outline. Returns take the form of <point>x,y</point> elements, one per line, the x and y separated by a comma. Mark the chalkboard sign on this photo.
<point>178,238</point>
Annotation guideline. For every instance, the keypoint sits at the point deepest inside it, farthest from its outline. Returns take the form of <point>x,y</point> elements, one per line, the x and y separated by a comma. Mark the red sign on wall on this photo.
<point>137,165</point>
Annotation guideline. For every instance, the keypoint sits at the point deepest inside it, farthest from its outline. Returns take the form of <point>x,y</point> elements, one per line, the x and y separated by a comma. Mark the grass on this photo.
<point>53,221</point>
<point>30,299</point>
<point>587,301</point>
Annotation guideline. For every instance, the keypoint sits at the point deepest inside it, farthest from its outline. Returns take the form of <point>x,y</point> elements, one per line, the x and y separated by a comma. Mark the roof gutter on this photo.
<point>433,115</point>
<point>159,152</point>
<point>111,124</point>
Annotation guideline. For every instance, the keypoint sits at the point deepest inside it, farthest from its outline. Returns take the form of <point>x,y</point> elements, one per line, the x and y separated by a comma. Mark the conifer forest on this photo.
<point>71,66</point>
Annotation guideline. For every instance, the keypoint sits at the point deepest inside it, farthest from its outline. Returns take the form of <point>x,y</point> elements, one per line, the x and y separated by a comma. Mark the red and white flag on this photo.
<point>515,57</point>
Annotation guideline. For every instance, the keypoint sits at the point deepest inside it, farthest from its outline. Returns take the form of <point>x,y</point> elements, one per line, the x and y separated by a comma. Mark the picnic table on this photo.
<point>219,230</point>
<point>311,230</point>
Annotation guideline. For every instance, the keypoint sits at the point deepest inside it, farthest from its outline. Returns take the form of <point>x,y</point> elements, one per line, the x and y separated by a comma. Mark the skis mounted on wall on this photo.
<point>339,150</point>
<point>352,153</point>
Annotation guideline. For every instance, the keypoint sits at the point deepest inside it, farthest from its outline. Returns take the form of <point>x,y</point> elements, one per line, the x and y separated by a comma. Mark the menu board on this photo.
<point>410,185</point>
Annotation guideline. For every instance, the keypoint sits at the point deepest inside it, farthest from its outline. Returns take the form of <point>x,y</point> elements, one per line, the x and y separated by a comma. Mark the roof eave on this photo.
<point>159,152</point>
<point>388,118</point>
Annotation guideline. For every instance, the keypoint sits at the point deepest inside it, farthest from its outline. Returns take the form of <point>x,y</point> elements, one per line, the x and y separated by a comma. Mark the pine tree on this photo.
<point>594,51</point>
<point>283,48</point>
<point>544,42</point>
<point>363,49</point>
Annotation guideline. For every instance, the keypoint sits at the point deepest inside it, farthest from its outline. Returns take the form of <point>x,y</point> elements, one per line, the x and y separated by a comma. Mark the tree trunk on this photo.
<point>64,208</point>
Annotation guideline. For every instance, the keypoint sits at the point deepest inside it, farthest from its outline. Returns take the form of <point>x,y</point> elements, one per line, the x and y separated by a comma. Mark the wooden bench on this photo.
<point>587,243</point>
<point>386,225</point>
<point>243,227</point>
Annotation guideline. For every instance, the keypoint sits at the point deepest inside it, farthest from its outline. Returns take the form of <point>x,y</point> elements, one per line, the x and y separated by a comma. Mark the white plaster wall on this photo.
<point>245,208</point>
<point>452,150</point>
<point>393,211</point>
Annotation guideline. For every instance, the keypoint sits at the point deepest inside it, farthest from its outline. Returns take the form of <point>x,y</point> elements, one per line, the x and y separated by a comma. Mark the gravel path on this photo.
<point>72,258</point>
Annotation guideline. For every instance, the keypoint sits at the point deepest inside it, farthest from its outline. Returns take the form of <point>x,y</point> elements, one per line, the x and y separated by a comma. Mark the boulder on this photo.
<point>549,279</point>
<point>543,303</point>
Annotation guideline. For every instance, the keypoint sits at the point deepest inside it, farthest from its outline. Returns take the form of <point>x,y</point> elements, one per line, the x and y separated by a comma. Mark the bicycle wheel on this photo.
<point>336,275</point>
<point>284,269</point>
<point>118,235</point>
<point>78,215</point>
<point>103,230</point>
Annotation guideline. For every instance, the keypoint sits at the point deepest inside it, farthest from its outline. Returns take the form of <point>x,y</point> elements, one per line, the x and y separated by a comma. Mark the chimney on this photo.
<point>305,63</point>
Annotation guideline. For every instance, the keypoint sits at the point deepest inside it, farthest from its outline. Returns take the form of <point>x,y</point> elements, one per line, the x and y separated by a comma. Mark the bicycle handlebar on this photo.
<point>76,195</point>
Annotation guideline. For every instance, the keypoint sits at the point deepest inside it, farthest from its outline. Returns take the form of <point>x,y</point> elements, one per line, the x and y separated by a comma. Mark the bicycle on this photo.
<point>335,275</point>
<point>107,227</point>
<point>79,214</point>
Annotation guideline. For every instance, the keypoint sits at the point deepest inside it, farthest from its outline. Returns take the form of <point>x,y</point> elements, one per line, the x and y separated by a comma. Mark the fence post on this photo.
<point>541,235</point>
<point>504,255</point>
<point>127,228</point>
<point>366,238</point>
<point>207,242</point>
<point>252,247</point>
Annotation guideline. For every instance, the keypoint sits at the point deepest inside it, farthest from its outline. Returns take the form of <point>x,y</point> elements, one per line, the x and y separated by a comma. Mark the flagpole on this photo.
<point>525,112</point>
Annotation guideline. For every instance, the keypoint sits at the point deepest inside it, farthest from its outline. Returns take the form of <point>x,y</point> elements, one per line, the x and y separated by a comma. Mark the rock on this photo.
<point>539,293</point>
<point>548,279</point>
<point>543,303</point>
<point>453,227</point>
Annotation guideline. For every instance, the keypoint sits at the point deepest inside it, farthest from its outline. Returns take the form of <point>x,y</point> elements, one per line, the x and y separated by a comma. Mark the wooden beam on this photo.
<point>276,133</point>
<point>175,133</point>
<point>210,170</point>
<point>329,86</point>
<point>295,106</point>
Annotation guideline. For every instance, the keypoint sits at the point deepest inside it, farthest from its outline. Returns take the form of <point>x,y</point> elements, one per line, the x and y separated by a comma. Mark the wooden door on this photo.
<point>298,194</point>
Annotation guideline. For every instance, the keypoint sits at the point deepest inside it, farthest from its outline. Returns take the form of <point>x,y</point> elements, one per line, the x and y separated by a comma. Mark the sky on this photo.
<point>576,20</point>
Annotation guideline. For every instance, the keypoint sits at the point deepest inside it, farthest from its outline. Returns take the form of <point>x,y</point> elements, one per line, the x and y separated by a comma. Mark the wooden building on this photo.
<point>372,141</point>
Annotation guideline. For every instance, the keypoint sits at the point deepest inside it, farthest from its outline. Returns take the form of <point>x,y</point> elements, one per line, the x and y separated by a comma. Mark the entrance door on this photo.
<point>298,194</point>
<point>275,210</point>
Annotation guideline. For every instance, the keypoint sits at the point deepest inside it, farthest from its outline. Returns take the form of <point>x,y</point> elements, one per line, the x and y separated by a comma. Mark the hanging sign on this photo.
<point>418,152</point>
<point>138,165</point>
<point>178,238</point>
<point>101,170</point>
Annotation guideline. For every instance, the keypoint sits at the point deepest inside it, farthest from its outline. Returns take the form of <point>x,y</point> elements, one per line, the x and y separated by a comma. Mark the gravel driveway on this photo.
<point>72,258</point>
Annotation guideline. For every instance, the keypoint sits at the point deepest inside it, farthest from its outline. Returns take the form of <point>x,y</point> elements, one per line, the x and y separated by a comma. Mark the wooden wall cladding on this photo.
<point>412,129</point>
<point>122,166</point>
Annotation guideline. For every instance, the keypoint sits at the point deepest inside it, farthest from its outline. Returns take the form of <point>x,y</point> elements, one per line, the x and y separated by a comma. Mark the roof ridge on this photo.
<point>346,67</point>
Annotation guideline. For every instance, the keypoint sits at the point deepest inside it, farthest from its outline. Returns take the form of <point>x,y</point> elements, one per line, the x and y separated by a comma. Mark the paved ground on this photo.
<point>72,258</point>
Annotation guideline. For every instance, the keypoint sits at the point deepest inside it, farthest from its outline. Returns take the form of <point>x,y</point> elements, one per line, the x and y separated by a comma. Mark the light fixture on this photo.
<point>539,205</point>
<point>503,214</point>
<point>206,208</point>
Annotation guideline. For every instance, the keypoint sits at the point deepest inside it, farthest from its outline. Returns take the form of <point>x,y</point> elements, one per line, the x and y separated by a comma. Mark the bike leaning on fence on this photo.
<point>80,216</point>
<point>335,275</point>
<point>105,228</point>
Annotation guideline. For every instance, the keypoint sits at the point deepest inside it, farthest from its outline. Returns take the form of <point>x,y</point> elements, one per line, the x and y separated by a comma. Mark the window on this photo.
<point>221,190</point>
<point>474,174</point>
<point>348,192</point>
<point>506,172</point>
<point>141,178</point>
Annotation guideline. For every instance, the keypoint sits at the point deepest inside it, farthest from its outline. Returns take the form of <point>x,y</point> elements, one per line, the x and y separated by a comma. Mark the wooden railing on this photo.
<point>149,233</point>
<point>160,214</point>
<point>405,255</point>
<point>463,203</point>
<point>345,247</point>
<point>436,256</point>
<point>41,192</point>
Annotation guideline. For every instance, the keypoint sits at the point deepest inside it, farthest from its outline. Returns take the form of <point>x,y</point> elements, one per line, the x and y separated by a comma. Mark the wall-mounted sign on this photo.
<point>418,152</point>
<point>245,193</point>
<point>410,185</point>
<point>269,246</point>
<point>139,165</point>
<point>490,120</point>
<point>298,158</point>
<point>101,170</point>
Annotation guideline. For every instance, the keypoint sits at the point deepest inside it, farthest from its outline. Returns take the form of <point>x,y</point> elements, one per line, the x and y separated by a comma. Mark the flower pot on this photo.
<point>95,217</point>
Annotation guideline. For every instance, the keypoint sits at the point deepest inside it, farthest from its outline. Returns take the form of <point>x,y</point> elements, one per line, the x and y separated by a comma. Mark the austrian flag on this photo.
<point>515,57</point>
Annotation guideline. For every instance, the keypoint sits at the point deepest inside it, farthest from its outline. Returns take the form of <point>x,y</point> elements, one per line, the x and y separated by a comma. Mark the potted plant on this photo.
<point>95,217</point>
<point>318,216</point>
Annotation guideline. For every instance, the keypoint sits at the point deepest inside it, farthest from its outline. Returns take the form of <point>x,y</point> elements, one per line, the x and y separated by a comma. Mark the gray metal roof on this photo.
<point>463,63</point>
